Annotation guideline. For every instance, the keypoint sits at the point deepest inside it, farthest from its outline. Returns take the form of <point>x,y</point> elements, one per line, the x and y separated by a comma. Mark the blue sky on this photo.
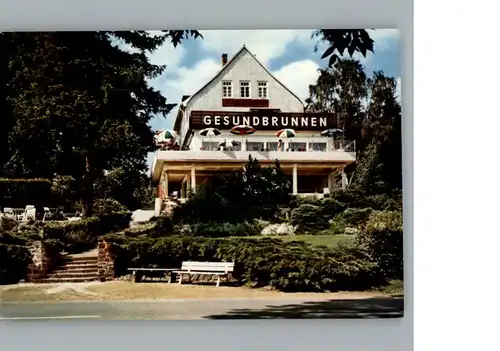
<point>288,54</point>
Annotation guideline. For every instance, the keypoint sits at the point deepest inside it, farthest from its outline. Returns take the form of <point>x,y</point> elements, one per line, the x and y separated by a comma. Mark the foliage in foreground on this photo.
<point>383,240</point>
<point>79,236</point>
<point>14,257</point>
<point>293,266</point>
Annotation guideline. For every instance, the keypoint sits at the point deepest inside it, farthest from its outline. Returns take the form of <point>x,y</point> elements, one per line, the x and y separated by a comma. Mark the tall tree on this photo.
<point>341,89</point>
<point>382,128</point>
<point>6,116</point>
<point>380,167</point>
<point>81,104</point>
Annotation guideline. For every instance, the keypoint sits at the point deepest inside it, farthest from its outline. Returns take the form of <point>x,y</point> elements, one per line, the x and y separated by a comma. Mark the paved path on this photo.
<point>203,309</point>
<point>142,215</point>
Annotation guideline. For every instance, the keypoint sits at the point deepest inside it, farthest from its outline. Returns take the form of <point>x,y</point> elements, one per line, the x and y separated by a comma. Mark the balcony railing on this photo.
<point>337,156</point>
<point>338,146</point>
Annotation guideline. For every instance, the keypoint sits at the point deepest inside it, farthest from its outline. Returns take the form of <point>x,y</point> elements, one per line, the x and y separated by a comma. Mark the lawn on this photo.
<point>331,241</point>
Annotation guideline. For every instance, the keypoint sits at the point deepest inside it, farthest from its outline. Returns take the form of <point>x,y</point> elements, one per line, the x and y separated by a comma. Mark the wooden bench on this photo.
<point>219,269</point>
<point>138,273</point>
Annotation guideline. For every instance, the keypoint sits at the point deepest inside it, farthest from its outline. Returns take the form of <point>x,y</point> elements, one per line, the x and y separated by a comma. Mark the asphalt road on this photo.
<point>203,309</point>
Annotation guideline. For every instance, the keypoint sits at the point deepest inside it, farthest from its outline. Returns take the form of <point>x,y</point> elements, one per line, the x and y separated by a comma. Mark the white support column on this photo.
<point>193,179</point>
<point>345,182</point>
<point>294,180</point>
<point>165,184</point>
<point>184,187</point>
<point>158,204</point>
<point>330,181</point>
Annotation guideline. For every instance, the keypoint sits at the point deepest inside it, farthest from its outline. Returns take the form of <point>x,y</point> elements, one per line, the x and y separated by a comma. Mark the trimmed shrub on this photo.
<point>163,222</point>
<point>77,236</point>
<point>14,258</point>
<point>356,216</point>
<point>351,217</point>
<point>81,235</point>
<point>309,219</point>
<point>221,230</point>
<point>331,207</point>
<point>148,229</point>
<point>108,206</point>
<point>306,200</point>
<point>385,202</point>
<point>294,266</point>
<point>383,239</point>
<point>7,224</point>
<point>391,201</point>
<point>113,222</point>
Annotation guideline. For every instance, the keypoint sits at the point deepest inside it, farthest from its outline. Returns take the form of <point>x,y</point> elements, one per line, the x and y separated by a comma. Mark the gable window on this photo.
<point>227,89</point>
<point>245,89</point>
<point>262,86</point>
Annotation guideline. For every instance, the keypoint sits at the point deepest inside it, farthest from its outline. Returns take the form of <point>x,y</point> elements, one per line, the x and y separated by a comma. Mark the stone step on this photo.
<point>79,259</point>
<point>65,269</point>
<point>72,275</point>
<point>77,266</point>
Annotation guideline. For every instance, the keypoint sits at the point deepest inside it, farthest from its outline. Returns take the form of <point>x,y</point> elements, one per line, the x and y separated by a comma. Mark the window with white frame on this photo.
<point>227,89</point>
<point>317,146</point>
<point>210,145</point>
<point>244,89</point>
<point>255,146</point>
<point>272,146</point>
<point>297,146</point>
<point>262,87</point>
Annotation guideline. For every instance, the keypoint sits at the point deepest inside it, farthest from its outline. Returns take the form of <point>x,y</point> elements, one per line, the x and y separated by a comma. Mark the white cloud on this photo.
<point>298,75</point>
<point>186,81</point>
<point>382,37</point>
<point>190,80</point>
<point>168,55</point>
<point>264,44</point>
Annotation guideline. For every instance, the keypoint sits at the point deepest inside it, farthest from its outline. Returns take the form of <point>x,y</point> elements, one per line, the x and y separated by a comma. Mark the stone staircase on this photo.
<point>73,269</point>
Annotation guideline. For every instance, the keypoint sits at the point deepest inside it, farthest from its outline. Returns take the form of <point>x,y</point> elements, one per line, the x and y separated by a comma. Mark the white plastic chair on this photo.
<point>9,212</point>
<point>29,213</point>
<point>46,213</point>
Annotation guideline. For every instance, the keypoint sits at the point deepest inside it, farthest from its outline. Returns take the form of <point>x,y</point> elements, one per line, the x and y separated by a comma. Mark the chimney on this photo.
<point>224,59</point>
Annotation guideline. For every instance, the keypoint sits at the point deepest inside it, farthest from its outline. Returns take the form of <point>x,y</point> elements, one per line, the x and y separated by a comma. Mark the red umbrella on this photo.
<point>242,130</point>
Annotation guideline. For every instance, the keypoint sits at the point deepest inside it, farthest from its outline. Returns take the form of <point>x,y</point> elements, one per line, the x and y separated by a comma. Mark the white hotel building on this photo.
<point>245,92</point>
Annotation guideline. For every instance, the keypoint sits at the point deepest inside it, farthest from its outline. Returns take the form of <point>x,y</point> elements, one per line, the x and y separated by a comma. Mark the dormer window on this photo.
<point>244,89</point>
<point>262,87</point>
<point>227,89</point>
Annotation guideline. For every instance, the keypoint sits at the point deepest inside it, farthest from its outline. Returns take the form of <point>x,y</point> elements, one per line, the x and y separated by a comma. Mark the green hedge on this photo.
<point>351,217</point>
<point>114,222</point>
<point>309,218</point>
<point>219,230</point>
<point>148,229</point>
<point>81,235</point>
<point>314,215</point>
<point>14,258</point>
<point>382,237</point>
<point>77,236</point>
<point>108,206</point>
<point>22,192</point>
<point>294,266</point>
